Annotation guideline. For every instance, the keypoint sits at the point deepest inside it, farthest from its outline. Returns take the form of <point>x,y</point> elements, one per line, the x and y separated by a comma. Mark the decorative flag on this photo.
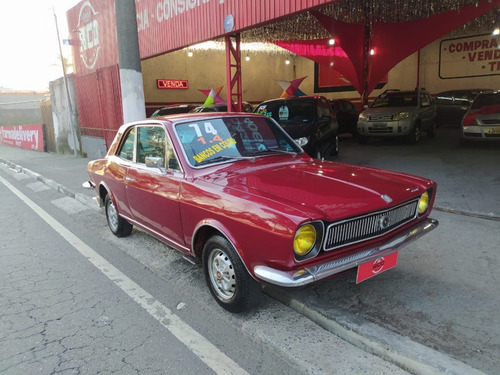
<point>213,96</point>
<point>291,87</point>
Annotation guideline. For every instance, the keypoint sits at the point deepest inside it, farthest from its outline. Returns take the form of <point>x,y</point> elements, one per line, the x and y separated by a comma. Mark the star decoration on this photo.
<point>291,88</point>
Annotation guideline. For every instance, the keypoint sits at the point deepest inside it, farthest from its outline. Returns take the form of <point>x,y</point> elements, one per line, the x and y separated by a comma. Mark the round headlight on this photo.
<point>402,116</point>
<point>304,240</point>
<point>423,203</point>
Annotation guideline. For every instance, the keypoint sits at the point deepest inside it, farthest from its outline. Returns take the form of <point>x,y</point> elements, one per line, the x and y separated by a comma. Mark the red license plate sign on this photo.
<point>374,267</point>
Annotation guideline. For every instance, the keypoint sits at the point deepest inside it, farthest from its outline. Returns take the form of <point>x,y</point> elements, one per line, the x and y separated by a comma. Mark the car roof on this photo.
<point>293,98</point>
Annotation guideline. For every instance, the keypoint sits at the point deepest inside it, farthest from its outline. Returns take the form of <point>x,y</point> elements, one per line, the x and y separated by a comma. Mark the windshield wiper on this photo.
<point>225,157</point>
<point>276,151</point>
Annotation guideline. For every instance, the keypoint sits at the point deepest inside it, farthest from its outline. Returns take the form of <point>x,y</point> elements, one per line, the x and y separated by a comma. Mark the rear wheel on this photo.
<point>118,226</point>
<point>229,282</point>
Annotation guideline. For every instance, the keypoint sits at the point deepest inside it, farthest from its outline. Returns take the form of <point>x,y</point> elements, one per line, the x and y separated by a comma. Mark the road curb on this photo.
<point>396,349</point>
<point>53,184</point>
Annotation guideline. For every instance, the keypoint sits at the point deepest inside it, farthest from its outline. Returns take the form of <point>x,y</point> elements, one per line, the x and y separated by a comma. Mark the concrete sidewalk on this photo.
<point>64,173</point>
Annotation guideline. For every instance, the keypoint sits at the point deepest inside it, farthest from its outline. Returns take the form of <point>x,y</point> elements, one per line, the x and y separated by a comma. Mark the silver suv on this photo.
<point>398,113</point>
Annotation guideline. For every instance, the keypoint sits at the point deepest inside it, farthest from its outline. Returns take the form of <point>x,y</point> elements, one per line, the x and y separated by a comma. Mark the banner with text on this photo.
<point>29,137</point>
<point>475,56</point>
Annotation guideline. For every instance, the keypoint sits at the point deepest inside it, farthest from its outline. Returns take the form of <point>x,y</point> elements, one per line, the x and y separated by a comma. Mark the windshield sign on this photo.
<point>232,138</point>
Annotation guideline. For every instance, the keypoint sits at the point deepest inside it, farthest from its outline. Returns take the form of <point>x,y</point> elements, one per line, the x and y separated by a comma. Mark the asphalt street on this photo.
<point>436,311</point>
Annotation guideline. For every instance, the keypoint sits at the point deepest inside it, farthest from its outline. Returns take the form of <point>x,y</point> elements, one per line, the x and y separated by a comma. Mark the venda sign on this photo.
<point>475,56</point>
<point>29,137</point>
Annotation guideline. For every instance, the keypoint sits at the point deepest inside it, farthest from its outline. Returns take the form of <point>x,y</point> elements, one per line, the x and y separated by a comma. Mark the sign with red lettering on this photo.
<point>374,267</point>
<point>475,56</point>
<point>29,137</point>
<point>172,84</point>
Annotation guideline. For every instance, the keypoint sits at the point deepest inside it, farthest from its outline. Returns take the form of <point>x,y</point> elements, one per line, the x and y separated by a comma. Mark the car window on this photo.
<point>127,150</point>
<point>150,143</point>
<point>288,111</point>
<point>396,100</point>
<point>221,139</point>
<point>487,100</point>
<point>323,108</point>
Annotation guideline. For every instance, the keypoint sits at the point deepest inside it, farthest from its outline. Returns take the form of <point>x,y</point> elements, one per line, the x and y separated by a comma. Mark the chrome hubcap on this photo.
<point>112,216</point>
<point>221,272</point>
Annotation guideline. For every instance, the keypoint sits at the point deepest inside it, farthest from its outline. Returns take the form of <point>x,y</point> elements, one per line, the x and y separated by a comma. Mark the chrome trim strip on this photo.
<point>328,268</point>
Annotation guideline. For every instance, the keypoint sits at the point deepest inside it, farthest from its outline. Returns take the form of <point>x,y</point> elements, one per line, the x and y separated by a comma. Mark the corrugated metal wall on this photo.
<point>99,103</point>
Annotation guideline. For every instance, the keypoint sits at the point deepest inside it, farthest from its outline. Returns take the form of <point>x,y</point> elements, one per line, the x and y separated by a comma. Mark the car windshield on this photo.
<point>214,140</point>
<point>399,99</point>
<point>288,111</point>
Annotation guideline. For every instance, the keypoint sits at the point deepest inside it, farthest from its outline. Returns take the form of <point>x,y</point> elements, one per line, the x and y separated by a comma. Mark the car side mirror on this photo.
<point>153,162</point>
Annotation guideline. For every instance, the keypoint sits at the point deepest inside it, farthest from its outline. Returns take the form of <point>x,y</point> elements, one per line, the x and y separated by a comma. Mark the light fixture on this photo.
<point>190,54</point>
<point>287,62</point>
<point>247,58</point>
<point>332,63</point>
<point>496,31</point>
<point>331,42</point>
<point>372,52</point>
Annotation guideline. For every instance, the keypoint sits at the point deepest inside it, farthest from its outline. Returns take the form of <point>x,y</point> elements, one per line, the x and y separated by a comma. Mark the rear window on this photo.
<point>486,100</point>
<point>288,111</point>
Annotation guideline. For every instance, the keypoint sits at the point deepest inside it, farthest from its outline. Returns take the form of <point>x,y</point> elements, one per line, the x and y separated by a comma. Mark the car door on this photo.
<point>116,172</point>
<point>153,191</point>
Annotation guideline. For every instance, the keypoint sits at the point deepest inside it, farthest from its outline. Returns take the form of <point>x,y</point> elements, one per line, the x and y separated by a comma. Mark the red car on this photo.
<point>237,194</point>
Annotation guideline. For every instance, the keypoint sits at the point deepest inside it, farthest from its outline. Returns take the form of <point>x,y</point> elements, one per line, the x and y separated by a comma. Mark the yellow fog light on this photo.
<point>423,203</point>
<point>304,240</point>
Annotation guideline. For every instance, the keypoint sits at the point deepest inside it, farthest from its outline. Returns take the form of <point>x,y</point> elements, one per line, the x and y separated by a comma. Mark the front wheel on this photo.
<point>118,226</point>
<point>414,135</point>
<point>228,280</point>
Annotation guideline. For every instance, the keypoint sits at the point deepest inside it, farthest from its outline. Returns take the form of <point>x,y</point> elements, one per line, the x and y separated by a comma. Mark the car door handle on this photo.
<point>129,179</point>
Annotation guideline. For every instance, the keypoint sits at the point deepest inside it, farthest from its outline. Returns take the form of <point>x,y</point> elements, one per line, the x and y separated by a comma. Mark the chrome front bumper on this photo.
<point>328,268</point>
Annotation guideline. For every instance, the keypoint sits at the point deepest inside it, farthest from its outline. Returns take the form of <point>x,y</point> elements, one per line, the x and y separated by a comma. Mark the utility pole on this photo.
<point>132,89</point>
<point>71,113</point>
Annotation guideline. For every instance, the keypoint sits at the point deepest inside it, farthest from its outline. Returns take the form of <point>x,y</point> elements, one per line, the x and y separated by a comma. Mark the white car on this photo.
<point>482,121</point>
<point>398,113</point>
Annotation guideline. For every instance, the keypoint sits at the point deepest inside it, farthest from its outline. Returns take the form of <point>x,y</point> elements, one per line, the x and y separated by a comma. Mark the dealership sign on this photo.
<point>475,56</point>
<point>29,137</point>
<point>172,84</point>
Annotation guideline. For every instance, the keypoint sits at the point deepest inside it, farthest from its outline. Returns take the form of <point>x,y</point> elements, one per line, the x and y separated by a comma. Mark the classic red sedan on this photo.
<point>235,193</point>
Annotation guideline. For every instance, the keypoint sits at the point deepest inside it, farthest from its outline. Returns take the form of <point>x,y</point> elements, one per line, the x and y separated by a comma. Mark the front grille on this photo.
<point>384,130</point>
<point>381,118</point>
<point>368,226</point>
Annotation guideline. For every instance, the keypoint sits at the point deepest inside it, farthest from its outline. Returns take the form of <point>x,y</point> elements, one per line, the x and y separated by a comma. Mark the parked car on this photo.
<point>398,113</point>
<point>247,107</point>
<point>174,109</point>
<point>482,121</point>
<point>309,120</point>
<point>235,193</point>
<point>451,105</point>
<point>347,115</point>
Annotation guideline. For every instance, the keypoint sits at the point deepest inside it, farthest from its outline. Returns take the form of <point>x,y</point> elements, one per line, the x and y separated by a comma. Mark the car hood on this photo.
<point>321,190</point>
<point>388,110</point>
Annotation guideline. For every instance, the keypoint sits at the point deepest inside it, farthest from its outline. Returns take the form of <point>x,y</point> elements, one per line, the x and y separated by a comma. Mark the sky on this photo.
<point>29,50</point>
